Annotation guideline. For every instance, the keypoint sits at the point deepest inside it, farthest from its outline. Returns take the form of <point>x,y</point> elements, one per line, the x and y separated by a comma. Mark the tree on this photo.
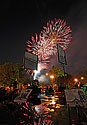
<point>9,72</point>
<point>83,74</point>
<point>57,72</point>
<point>19,72</point>
<point>6,73</point>
<point>60,78</point>
<point>64,80</point>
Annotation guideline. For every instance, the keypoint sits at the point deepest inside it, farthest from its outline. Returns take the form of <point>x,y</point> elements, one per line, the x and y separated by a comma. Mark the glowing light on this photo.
<point>78,85</point>
<point>53,97</point>
<point>37,71</point>
<point>75,79</point>
<point>53,102</point>
<point>82,78</point>
<point>46,74</point>
<point>40,67</point>
<point>51,76</point>
<point>52,110</point>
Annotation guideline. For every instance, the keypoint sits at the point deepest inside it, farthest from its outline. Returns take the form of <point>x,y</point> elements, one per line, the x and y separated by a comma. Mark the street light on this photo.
<point>52,77</point>
<point>75,79</point>
<point>46,74</point>
<point>76,82</point>
<point>82,77</point>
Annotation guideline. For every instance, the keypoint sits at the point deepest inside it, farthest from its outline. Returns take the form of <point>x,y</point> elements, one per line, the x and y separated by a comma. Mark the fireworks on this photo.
<point>32,46</point>
<point>45,45</point>
<point>56,33</point>
<point>38,47</point>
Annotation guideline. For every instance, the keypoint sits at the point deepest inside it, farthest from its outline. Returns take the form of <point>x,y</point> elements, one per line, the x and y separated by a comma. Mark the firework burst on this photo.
<point>39,48</point>
<point>32,45</point>
<point>55,33</point>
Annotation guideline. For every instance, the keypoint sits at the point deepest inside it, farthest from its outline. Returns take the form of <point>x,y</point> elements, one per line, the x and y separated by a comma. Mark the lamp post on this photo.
<point>52,77</point>
<point>76,81</point>
<point>82,78</point>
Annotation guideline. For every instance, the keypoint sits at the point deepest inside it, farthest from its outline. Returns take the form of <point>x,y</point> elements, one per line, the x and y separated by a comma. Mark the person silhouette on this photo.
<point>51,89</point>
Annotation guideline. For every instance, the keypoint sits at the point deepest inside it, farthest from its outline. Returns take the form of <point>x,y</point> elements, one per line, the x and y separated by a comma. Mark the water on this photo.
<point>50,107</point>
<point>51,111</point>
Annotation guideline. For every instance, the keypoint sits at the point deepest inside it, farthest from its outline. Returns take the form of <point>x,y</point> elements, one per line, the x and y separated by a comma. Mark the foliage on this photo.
<point>64,80</point>
<point>10,72</point>
<point>56,71</point>
<point>83,73</point>
<point>60,78</point>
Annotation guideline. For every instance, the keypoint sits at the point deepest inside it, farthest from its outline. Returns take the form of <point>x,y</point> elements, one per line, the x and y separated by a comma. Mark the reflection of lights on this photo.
<point>52,110</point>
<point>58,105</point>
<point>62,105</point>
<point>46,100</point>
<point>53,102</point>
<point>37,109</point>
<point>50,105</point>
<point>47,109</point>
<point>53,97</point>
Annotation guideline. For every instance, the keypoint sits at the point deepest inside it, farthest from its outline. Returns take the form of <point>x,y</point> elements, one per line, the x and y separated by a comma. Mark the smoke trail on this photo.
<point>41,66</point>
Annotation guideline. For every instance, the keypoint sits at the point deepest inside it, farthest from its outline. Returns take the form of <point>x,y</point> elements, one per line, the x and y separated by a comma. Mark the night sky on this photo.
<point>20,19</point>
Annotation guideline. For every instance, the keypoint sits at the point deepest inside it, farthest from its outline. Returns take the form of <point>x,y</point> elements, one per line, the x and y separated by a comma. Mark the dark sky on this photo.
<point>20,19</point>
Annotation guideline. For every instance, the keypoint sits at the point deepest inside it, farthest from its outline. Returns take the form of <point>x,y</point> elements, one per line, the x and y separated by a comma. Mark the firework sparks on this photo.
<point>57,33</point>
<point>38,48</point>
<point>32,45</point>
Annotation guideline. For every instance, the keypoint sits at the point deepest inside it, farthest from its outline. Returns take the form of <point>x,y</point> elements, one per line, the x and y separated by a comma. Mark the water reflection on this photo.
<point>49,105</point>
<point>43,113</point>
